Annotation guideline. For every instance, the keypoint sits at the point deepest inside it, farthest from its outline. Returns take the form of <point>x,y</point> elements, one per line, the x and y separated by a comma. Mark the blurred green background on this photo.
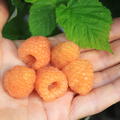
<point>113,5</point>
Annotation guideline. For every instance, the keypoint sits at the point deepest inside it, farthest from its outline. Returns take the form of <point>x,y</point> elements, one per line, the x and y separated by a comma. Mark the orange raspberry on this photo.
<point>64,53</point>
<point>35,52</point>
<point>19,81</point>
<point>80,76</point>
<point>51,83</point>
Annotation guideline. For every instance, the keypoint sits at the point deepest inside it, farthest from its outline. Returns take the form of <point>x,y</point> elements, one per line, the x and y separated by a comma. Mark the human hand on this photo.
<point>106,84</point>
<point>33,108</point>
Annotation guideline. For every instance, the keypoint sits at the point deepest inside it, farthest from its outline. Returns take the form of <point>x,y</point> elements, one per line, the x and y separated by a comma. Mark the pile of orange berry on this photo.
<point>49,70</point>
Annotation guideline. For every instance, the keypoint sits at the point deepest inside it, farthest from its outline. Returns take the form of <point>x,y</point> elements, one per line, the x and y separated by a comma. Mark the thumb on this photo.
<point>8,57</point>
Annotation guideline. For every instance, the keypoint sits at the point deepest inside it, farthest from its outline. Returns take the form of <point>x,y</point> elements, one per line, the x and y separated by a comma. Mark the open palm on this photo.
<point>69,107</point>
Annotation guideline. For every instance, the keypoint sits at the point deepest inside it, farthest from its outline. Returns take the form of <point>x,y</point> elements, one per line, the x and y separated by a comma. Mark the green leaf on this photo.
<point>16,29</point>
<point>113,5</point>
<point>87,23</point>
<point>42,20</point>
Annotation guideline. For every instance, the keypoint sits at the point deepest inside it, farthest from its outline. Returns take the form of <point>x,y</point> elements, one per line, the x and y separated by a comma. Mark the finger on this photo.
<point>36,109</point>
<point>59,109</point>
<point>4,14</point>
<point>9,106</point>
<point>106,76</point>
<point>95,102</point>
<point>101,59</point>
<point>9,59</point>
